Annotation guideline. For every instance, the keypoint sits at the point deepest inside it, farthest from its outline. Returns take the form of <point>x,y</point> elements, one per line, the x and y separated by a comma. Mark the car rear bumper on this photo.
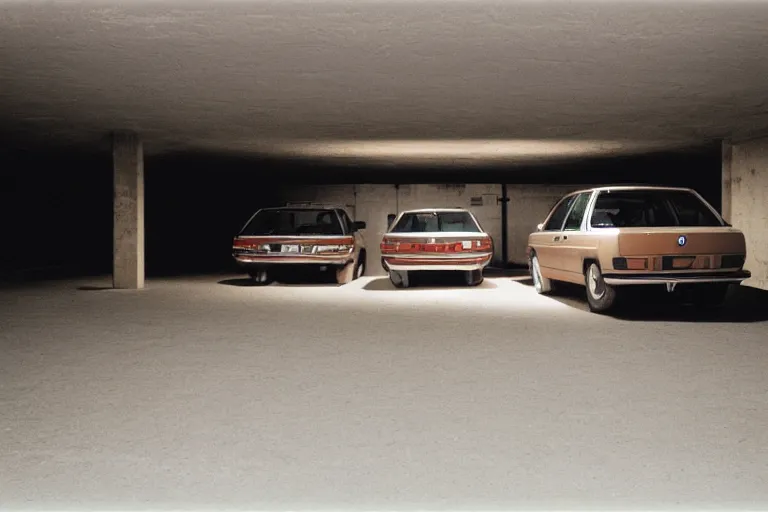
<point>286,260</point>
<point>420,263</point>
<point>688,277</point>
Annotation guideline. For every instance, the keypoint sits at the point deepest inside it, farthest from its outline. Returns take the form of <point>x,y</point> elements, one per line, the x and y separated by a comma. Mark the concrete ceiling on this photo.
<point>515,81</point>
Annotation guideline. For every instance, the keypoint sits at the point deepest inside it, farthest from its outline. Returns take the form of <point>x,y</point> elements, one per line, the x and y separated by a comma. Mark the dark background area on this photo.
<point>57,208</point>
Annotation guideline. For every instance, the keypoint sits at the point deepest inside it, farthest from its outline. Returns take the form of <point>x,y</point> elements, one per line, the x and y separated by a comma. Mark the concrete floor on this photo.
<point>204,393</point>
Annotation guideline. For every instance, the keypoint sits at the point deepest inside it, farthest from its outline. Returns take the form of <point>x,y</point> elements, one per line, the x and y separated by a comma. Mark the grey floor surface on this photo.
<point>204,393</point>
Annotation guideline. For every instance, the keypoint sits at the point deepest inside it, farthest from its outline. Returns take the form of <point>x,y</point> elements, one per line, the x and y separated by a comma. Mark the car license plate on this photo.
<point>290,248</point>
<point>683,262</point>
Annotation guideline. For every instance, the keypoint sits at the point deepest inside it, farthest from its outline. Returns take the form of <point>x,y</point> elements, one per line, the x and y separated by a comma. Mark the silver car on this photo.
<point>435,239</point>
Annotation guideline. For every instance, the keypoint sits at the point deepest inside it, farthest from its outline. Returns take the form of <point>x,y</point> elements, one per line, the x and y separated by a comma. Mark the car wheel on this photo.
<point>541,284</point>
<point>360,269</point>
<point>710,295</point>
<point>600,296</point>
<point>473,277</point>
<point>346,274</point>
<point>260,277</point>
<point>399,278</point>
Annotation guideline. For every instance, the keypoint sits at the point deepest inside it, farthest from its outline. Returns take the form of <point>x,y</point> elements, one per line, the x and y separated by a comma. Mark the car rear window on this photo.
<point>293,222</point>
<point>651,209</point>
<point>433,222</point>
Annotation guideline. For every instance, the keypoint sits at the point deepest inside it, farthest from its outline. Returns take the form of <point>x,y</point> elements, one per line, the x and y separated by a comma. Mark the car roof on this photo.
<point>435,210</point>
<point>310,208</point>
<point>630,187</point>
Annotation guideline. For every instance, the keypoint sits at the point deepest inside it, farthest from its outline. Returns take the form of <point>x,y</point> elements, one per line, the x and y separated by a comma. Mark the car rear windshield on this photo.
<point>651,209</point>
<point>293,222</point>
<point>431,222</point>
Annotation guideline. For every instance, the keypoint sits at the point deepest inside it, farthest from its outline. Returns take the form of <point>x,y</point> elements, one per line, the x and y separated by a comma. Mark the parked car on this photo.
<point>435,239</point>
<point>276,241</point>
<point>610,237</point>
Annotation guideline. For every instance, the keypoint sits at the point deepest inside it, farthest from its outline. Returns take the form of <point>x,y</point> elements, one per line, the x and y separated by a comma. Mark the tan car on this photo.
<point>609,237</point>
<point>276,242</point>
<point>435,239</point>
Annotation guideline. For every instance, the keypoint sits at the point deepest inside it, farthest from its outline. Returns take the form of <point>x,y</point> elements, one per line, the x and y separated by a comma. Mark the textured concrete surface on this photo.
<point>128,212</point>
<point>251,75</point>
<point>205,393</point>
<point>745,185</point>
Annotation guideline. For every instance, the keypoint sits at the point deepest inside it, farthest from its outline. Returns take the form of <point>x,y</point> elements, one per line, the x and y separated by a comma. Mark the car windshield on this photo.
<point>646,208</point>
<point>431,222</point>
<point>291,222</point>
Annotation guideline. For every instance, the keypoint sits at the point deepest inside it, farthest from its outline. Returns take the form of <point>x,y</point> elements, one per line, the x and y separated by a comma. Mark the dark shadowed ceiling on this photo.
<point>388,81</point>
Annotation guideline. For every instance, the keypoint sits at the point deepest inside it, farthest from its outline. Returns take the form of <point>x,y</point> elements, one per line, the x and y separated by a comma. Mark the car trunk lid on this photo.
<point>681,241</point>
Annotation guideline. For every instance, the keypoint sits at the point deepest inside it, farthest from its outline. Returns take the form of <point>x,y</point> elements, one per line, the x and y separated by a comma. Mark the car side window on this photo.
<point>573,222</point>
<point>347,221</point>
<point>556,219</point>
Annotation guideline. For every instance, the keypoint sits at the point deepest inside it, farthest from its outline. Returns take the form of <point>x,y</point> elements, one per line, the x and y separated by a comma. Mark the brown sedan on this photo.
<point>609,237</point>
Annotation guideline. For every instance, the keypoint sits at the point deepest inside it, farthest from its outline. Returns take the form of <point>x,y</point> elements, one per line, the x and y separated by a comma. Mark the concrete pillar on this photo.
<point>745,192</point>
<point>128,234</point>
<point>727,194</point>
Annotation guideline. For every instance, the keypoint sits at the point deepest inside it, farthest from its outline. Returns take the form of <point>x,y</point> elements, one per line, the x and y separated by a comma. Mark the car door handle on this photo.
<point>556,239</point>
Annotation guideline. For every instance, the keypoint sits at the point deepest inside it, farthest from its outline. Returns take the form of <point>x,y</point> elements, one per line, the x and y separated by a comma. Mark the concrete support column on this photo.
<point>727,194</point>
<point>128,233</point>
<point>745,201</point>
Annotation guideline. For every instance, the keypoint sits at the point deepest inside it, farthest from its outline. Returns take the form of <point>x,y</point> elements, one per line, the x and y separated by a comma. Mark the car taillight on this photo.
<point>333,249</point>
<point>240,246</point>
<point>389,245</point>
<point>486,244</point>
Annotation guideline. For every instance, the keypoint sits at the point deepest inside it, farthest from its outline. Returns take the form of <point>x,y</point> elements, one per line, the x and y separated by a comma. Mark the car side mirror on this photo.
<point>540,227</point>
<point>391,219</point>
<point>358,225</point>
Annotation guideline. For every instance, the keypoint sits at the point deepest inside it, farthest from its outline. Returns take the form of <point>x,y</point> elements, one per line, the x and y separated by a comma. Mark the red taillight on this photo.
<point>486,244</point>
<point>389,246</point>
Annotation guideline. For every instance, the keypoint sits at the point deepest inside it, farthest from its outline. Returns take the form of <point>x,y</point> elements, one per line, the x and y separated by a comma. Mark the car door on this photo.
<point>546,242</point>
<point>574,242</point>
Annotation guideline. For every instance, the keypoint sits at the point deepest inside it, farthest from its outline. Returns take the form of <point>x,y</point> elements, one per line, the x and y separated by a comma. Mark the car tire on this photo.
<point>710,296</point>
<point>346,274</point>
<point>600,296</point>
<point>473,277</point>
<point>399,278</point>
<point>360,267</point>
<point>260,277</point>
<point>541,284</point>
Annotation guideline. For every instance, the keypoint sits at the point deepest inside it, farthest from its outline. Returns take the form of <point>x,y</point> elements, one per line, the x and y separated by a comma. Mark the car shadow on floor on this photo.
<point>95,288</point>
<point>743,305</point>
<point>302,281</point>
<point>428,281</point>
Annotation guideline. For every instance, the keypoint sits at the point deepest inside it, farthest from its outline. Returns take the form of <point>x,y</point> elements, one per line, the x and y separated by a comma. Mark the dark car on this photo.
<point>278,241</point>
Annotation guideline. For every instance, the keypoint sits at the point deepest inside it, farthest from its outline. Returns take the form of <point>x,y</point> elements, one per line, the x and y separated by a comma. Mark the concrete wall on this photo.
<point>528,205</point>
<point>745,202</point>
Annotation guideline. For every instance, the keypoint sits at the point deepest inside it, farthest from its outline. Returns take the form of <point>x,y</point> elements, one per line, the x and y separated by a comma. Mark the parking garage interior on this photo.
<point>141,369</point>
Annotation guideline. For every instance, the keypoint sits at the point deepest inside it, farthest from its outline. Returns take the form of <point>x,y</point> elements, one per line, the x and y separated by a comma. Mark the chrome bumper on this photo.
<point>655,278</point>
<point>293,260</point>
<point>419,262</point>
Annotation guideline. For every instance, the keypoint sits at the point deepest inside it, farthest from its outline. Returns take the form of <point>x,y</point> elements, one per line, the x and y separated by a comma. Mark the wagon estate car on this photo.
<point>435,239</point>
<point>609,237</point>
<point>276,241</point>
